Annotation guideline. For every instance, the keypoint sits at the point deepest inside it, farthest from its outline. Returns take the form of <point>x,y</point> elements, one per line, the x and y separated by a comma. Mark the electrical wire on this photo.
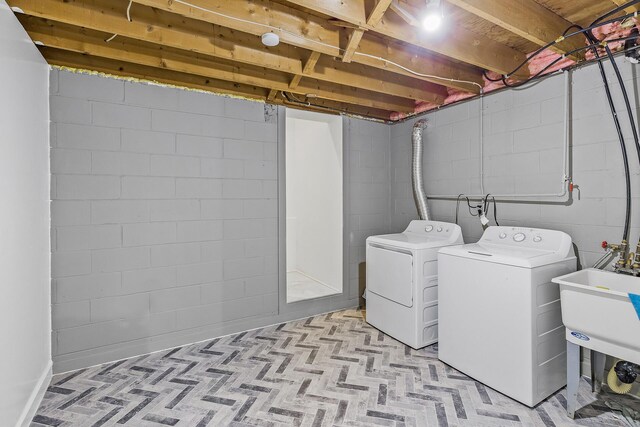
<point>328,45</point>
<point>480,209</point>
<point>616,10</point>
<point>495,208</point>
<point>486,76</point>
<point>128,19</point>
<point>129,11</point>
<point>395,64</point>
<point>625,96</point>
<point>616,121</point>
<point>597,23</point>
<point>560,58</point>
<point>416,72</point>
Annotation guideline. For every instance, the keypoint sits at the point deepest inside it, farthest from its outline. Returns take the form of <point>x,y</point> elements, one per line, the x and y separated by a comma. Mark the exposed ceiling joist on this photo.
<point>459,44</point>
<point>418,61</point>
<point>378,11</point>
<point>174,35</point>
<point>124,69</point>
<point>352,45</point>
<point>356,35</point>
<point>404,14</point>
<point>184,62</point>
<point>630,9</point>
<point>163,29</point>
<point>527,19</point>
<point>332,70</point>
<point>319,35</point>
<point>334,55</point>
<point>322,104</point>
<point>309,65</point>
<point>272,95</point>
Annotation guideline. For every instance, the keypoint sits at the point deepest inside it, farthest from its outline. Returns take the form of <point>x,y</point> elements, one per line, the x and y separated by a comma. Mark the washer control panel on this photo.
<point>522,237</point>
<point>519,237</point>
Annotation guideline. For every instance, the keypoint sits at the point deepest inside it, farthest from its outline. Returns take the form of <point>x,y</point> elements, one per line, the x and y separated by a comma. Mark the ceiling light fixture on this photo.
<point>433,17</point>
<point>270,39</point>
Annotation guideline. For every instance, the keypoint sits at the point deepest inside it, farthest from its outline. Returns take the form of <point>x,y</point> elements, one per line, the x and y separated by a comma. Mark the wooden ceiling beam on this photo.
<point>378,12</point>
<point>309,65</point>
<point>272,94</point>
<point>331,69</point>
<point>141,53</point>
<point>526,18</point>
<point>352,45</point>
<point>327,106</point>
<point>164,29</point>
<point>168,32</point>
<point>121,68</point>
<point>404,14</point>
<point>124,69</point>
<point>356,35</point>
<point>459,44</point>
<point>419,61</point>
<point>319,35</point>
<point>322,105</point>
<point>630,9</point>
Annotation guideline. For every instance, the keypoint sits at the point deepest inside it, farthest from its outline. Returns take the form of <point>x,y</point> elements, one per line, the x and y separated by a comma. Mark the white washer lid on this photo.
<point>421,235</point>
<point>527,258</point>
<point>538,247</point>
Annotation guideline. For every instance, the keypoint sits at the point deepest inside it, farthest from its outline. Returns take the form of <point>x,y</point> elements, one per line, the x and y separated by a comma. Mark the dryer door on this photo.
<point>390,274</point>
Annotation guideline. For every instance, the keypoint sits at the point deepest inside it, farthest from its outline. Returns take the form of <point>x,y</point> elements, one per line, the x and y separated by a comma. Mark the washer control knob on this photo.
<point>519,237</point>
<point>502,235</point>
<point>428,228</point>
<point>439,229</point>
<point>537,239</point>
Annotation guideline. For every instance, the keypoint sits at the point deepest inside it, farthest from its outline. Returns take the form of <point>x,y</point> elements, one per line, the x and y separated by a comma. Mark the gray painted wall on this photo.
<point>165,201</point>
<point>164,216</point>
<point>523,132</point>
<point>25,316</point>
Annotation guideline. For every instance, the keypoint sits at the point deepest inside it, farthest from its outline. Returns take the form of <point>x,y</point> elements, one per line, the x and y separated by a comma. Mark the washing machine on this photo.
<point>402,280</point>
<point>499,318</point>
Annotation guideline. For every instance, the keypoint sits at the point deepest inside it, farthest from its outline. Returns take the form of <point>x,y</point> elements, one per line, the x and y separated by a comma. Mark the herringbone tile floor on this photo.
<point>332,369</point>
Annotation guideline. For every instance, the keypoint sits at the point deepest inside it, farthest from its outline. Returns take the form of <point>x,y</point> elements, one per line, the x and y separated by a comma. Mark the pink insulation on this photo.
<point>610,32</point>
<point>605,32</point>
<point>546,57</point>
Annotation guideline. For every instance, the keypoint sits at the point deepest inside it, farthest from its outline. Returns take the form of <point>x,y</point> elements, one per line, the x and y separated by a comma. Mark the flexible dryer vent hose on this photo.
<point>416,169</point>
<point>615,384</point>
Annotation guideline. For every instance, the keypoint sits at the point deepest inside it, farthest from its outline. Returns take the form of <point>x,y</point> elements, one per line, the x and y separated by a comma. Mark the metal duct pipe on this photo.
<point>416,170</point>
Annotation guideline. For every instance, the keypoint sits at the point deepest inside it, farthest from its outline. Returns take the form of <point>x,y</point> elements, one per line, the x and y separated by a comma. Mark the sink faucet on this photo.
<point>628,262</point>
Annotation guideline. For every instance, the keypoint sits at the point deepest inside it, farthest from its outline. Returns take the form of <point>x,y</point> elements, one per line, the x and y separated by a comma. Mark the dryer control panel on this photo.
<point>522,237</point>
<point>432,228</point>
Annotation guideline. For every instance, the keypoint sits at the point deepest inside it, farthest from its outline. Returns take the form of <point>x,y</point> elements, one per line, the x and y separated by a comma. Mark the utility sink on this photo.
<point>598,314</point>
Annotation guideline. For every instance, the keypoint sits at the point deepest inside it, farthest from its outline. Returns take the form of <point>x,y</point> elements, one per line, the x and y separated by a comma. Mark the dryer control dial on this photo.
<point>428,228</point>
<point>537,239</point>
<point>519,237</point>
<point>439,229</point>
<point>502,235</point>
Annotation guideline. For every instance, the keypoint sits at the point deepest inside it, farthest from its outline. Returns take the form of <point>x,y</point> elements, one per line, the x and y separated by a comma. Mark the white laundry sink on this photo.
<point>598,314</point>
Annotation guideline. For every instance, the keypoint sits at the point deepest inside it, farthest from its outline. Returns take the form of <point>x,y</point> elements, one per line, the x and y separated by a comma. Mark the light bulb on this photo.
<point>432,21</point>
<point>433,17</point>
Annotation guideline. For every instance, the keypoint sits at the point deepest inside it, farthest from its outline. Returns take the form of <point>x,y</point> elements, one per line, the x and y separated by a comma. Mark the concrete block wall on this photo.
<point>164,216</point>
<point>523,135</point>
<point>369,190</point>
